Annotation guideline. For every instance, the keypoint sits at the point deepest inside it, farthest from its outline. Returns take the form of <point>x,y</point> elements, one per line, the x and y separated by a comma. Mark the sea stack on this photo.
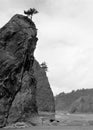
<point>24,86</point>
<point>18,40</point>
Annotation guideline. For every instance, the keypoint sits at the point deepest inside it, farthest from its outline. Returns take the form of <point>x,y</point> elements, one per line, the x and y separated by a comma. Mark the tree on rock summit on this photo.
<point>44,66</point>
<point>30,12</point>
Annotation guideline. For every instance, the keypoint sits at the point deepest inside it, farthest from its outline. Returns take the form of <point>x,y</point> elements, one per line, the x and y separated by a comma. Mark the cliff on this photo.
<point>24,86</point>
<point>44,94</point>
<point>17,82</point>
<point>43,99</point>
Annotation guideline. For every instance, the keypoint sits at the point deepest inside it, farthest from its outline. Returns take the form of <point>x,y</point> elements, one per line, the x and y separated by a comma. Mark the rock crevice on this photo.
<point>17,44</point>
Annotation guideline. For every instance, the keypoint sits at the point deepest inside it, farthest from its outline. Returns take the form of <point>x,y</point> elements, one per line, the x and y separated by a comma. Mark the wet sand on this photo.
<point>66,122</point>
<point>55,128</point>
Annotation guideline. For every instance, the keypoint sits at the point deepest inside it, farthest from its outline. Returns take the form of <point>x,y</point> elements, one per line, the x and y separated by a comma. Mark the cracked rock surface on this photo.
<point>17,44</point>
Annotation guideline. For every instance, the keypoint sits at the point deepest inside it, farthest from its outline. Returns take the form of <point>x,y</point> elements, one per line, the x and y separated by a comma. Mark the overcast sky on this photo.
<point>65,31</point>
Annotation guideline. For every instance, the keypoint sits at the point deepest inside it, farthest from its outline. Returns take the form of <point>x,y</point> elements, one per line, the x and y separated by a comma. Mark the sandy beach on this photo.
<point>54,128</point>
<point>66,122</point>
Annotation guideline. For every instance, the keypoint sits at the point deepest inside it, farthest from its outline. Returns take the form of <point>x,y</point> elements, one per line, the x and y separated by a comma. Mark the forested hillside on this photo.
<point>63,101</point>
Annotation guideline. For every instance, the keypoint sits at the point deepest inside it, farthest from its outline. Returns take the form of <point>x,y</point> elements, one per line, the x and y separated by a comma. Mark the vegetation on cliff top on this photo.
<point>30,12</point>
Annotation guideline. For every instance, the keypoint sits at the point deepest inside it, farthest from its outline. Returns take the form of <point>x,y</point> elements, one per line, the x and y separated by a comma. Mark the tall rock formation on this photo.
<point>17,82</point>
<point>44,95</point>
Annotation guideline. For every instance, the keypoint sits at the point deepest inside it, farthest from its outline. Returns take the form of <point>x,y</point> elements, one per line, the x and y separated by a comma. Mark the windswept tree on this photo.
<point>44,66</point>
<point>30,12</point>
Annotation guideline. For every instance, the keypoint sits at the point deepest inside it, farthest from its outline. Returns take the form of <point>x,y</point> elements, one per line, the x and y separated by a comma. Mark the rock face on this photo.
<point>44,95</point>
<point>17,82</point>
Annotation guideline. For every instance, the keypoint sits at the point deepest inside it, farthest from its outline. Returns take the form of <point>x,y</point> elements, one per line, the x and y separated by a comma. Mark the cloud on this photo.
<point>65,31</point>
<point>66,45</point>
